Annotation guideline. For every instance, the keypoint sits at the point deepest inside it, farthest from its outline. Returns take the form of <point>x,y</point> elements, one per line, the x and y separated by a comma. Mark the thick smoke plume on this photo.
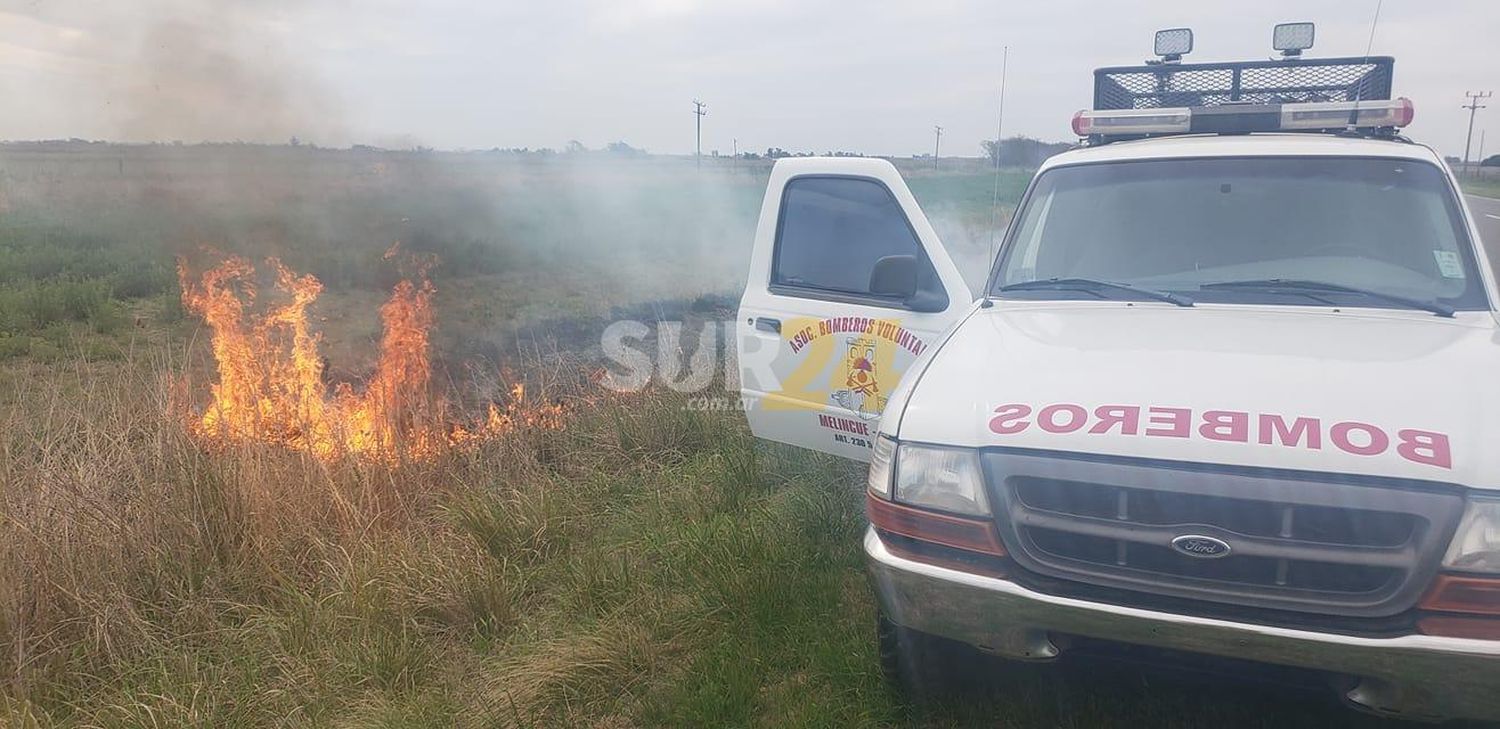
<point>179,70</point>
<point>221,76</point>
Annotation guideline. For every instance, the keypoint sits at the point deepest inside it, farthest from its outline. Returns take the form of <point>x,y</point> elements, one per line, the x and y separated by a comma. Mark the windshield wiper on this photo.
<point>1308,288</point>
<point>1094,286</point>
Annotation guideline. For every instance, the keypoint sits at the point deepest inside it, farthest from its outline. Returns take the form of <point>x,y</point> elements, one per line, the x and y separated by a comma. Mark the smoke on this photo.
<point>220,75</point>
<point>175,70</point>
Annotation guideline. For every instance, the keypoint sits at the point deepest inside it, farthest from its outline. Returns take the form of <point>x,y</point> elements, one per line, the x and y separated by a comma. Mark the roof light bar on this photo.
<point>1242,119</point>
<point>1133,121</point>
<point>1331,114</point>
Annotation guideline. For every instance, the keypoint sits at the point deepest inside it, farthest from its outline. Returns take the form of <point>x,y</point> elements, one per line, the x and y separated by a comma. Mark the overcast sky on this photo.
<point>868,76</point>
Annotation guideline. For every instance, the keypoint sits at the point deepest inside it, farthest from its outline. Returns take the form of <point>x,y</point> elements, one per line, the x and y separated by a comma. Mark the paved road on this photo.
<point>1487,214</point>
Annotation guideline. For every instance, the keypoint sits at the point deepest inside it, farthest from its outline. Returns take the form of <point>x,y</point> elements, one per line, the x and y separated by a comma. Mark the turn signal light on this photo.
<point>1449,626</point>
<point>1456,594</point>
<point>974,535</point>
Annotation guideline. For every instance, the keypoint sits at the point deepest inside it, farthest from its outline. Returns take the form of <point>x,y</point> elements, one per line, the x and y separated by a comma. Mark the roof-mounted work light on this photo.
<point>1292,38</point>
<point>1174,43</point>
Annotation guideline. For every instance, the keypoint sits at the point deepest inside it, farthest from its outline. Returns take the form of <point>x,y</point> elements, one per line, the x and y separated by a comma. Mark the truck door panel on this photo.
<point>848,284</point>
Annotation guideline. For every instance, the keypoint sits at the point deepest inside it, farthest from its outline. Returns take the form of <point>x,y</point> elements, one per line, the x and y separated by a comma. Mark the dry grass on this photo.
<point>545,577</point>
<point>646,566</point>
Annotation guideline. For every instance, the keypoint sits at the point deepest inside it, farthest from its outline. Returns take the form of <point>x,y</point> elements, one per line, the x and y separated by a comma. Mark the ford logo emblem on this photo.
<point>1197,545</point>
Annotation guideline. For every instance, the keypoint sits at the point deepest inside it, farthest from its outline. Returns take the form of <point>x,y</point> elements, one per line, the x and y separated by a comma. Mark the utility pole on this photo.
<point>1473,106</point>
<point>937,144</point>
<point>699,111</point>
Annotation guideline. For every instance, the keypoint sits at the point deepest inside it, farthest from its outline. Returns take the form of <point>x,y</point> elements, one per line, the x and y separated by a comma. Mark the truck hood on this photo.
<point>1400,394</point>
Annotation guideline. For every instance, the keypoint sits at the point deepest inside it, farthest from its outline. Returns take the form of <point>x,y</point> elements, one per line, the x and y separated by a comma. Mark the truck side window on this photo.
<point>834,229</point>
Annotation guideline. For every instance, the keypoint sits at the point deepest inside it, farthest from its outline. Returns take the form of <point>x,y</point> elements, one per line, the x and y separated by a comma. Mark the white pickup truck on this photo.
<point>1231,389</point>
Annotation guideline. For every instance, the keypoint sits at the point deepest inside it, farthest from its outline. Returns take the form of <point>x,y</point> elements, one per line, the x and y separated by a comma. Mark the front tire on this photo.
<point>919,666</point>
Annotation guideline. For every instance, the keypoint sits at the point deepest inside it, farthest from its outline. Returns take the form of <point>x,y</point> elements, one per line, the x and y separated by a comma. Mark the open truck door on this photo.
<point>848,285</point>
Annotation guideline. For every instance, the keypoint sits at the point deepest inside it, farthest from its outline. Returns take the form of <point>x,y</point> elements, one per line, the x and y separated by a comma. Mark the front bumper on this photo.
<point>1414,676</point>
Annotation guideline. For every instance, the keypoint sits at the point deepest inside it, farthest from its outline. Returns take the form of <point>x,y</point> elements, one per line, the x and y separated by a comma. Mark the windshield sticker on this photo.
<point>1448,264</point>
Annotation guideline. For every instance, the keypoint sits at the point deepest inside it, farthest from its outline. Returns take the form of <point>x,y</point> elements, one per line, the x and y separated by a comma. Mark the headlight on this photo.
<point>1476,544</point>
<point>880,467</point>
<point>940,478</point>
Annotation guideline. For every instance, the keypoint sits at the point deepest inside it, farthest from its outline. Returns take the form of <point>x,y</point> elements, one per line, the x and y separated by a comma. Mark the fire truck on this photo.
<point>1229,391</point>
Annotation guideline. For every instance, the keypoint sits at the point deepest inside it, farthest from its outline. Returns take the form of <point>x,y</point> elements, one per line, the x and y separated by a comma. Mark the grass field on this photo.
<point>1487,188</point>
<point>646,565</point>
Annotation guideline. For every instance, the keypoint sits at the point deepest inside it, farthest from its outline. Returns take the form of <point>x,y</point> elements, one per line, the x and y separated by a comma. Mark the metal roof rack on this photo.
<point>1343,96</point>
<point>1281,81</point>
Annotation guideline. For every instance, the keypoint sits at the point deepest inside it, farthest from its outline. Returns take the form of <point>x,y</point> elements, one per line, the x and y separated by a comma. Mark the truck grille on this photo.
<point>1322,543</point>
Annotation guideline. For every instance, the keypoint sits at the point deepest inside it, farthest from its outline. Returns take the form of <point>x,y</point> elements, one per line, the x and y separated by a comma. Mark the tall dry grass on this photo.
<point>149,579</point>
<point>123,540</point>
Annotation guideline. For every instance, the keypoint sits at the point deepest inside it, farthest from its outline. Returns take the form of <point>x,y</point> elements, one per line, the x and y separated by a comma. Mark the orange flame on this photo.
<point>271,386</point>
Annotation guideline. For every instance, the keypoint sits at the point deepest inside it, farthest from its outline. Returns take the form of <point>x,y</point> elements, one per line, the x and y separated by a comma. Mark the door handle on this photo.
<point>767,324</point>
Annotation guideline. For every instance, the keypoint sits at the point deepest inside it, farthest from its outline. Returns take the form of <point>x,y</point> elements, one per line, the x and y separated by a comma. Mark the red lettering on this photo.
<point>1047,418</point>
<point>1275,425</point>
<point>1128,417</point>
<point>1007,420</point>
<point>1174,422</point>
<point>1424,446</point>
<point>1231,425</point>
<point>1377,441</point>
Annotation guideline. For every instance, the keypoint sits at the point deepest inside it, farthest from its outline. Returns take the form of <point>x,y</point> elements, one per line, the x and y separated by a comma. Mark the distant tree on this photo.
<point>295,142</point>
<point>1491,161</point>
<point>624,150</point>
<point>1452,160</point>
<point>575,147</point>
<point>1021,151</point>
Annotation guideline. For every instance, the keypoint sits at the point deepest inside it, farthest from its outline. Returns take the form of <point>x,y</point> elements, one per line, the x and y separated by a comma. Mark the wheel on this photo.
<point>919,666</point>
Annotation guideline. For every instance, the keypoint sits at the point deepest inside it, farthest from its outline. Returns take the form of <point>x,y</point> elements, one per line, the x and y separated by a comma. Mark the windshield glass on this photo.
<point>1267,226</point>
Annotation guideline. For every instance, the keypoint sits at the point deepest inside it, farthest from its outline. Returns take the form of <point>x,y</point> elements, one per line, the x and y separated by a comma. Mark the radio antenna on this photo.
<point>1359,90</point>
<point>999,129</point>
<point>1373,23</point>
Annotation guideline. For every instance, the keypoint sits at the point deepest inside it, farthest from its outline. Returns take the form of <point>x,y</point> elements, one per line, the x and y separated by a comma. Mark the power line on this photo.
<point>700,110</point>
<point>1473,106</point>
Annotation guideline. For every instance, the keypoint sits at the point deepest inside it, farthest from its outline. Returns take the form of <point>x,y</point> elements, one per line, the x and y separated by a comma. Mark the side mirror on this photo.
<point>894,276</point>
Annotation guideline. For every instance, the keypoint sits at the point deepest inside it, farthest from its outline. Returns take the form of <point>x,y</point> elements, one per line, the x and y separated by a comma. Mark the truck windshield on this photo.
<point>1264,230</point>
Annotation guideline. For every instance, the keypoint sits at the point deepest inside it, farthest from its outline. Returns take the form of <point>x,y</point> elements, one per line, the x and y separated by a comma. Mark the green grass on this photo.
<point>1486,188</point>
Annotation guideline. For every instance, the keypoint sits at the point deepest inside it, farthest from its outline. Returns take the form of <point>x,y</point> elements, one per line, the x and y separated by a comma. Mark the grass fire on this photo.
<point>272,383</point>
<point>300,484</point>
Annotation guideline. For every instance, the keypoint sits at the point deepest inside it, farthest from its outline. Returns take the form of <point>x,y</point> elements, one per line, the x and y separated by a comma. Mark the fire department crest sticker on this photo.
<point>861,391</point>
